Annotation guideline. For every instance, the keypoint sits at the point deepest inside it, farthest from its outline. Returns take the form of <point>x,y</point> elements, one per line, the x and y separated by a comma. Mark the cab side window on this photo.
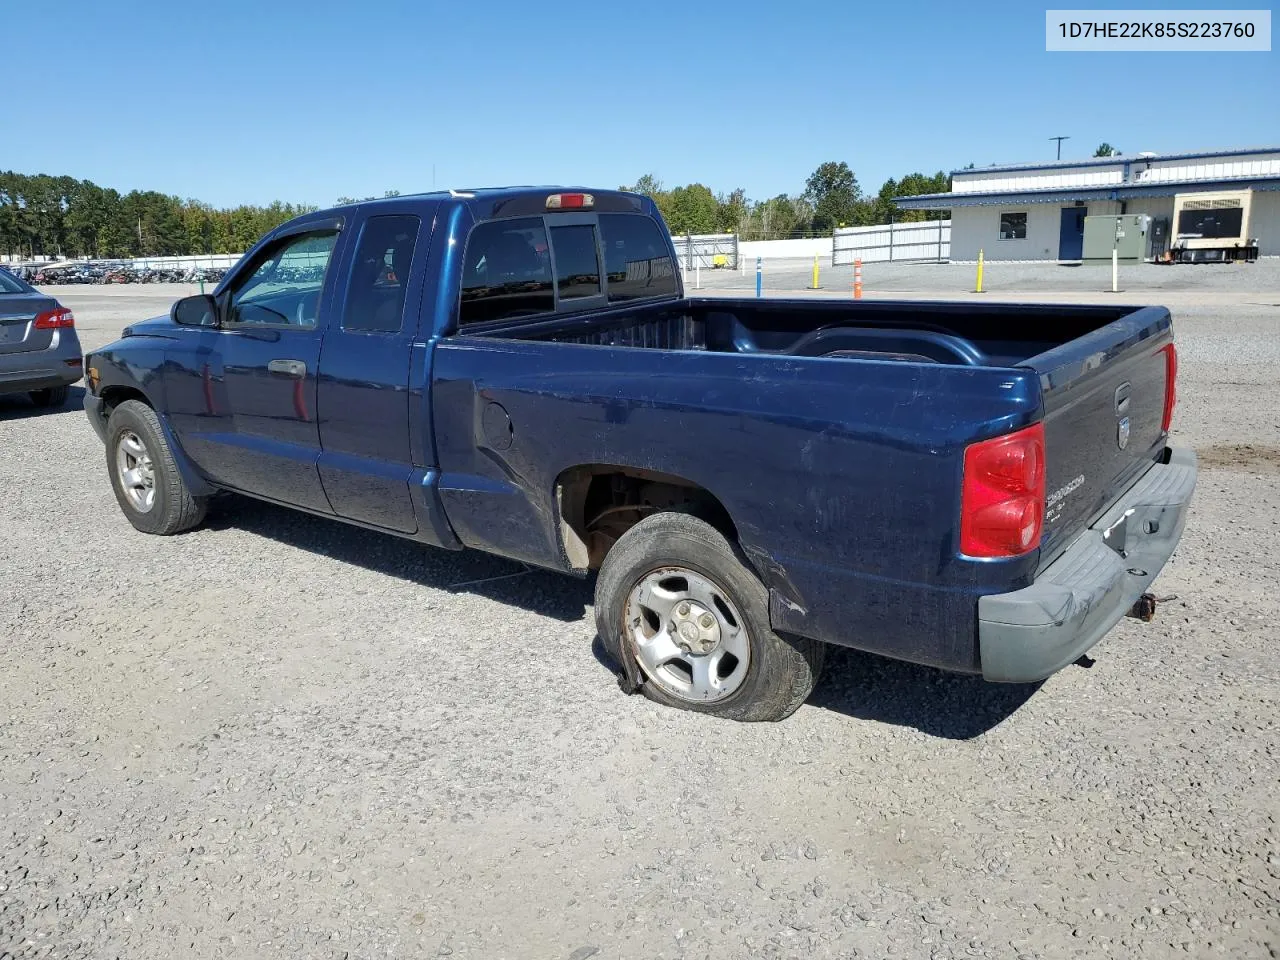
<point>283,286</point>
<point>379,275</point>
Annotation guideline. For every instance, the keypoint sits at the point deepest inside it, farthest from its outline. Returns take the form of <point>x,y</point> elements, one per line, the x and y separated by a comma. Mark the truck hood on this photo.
<point>155,327</point>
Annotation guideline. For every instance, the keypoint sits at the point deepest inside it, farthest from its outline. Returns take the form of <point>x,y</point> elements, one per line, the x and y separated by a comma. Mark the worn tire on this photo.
<point>781,672</point>
<point>49,396</point>
<point>174,508</point>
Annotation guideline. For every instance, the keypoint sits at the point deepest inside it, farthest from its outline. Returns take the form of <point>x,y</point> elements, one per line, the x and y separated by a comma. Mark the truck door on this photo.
<point>268,350</point>
<point>366,386</point>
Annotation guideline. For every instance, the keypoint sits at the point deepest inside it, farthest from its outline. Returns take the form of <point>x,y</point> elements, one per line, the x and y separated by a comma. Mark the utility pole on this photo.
<point>1059,139</point>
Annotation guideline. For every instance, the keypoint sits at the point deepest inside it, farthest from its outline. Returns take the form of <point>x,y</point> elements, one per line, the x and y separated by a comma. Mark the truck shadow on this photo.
<point>861,685</point>
<point>14,406</point>
<point>505,581</point>
<point>945,705</point>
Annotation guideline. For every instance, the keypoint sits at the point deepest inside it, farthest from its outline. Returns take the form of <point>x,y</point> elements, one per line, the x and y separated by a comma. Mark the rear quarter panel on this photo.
<point>842,476</point>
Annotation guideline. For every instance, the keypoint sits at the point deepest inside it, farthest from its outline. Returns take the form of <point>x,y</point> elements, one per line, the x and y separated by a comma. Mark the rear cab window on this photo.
<point>530,266</point>
<point>507,271</point>
<point>637,258</point>
<point>577,261</point>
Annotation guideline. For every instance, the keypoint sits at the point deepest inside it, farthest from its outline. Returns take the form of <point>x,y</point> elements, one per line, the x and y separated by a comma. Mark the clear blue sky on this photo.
<point>240,101</point>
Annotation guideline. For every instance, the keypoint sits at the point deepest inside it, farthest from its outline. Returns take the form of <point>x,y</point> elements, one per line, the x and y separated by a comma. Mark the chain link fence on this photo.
<point>707,251</point>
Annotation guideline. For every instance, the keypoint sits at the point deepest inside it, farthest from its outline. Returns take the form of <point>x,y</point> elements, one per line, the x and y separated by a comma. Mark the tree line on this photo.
<point>832,198</point>
<point>65,217</point>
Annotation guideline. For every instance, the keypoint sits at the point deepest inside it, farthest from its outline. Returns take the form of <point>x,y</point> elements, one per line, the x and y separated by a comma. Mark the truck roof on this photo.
<point>489,202</point>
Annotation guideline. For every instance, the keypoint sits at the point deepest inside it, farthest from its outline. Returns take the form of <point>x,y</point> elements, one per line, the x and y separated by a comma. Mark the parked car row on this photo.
<point>112,272</point>
<point>129,275</point>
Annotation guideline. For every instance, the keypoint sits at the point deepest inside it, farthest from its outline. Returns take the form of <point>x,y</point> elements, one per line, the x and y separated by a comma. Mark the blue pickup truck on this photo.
<point>986,488</point>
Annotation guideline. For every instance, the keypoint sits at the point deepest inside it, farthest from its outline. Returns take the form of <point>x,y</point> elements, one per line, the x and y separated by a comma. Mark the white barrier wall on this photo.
<point>775,249</point>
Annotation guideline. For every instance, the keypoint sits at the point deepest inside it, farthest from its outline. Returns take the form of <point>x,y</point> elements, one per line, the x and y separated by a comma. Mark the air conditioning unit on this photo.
<point>1212,227</point>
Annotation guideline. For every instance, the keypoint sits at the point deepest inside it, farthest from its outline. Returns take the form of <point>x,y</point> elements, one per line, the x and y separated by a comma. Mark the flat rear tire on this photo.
<point>677,603</point>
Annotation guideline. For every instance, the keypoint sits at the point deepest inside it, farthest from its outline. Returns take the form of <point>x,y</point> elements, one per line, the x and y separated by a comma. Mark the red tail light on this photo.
<point>1170,385</point>
<point>53,319</point>
<point>1002,503</point>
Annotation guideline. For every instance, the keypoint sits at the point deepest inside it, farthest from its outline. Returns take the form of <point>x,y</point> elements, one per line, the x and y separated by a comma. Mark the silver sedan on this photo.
<point>39,350</point>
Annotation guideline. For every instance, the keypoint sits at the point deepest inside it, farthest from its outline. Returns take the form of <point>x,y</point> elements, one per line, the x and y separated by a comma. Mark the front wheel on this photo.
<point>677,600</point>
<point>144,476</point>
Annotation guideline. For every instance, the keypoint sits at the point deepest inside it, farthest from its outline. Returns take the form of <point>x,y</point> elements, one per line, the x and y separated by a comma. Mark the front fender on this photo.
<point>131,370</point>
<point>131,365</point>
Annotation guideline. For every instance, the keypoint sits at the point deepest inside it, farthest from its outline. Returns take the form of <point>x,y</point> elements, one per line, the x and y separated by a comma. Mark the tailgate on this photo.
<point>17,322</point>
<point>1104,399</point>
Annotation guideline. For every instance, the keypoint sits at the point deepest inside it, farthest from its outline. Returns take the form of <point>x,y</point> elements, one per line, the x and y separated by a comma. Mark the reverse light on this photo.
<point>1170,385</point>
<point>1002,498</point>
<point>55,319</point>
<point>570,201</point>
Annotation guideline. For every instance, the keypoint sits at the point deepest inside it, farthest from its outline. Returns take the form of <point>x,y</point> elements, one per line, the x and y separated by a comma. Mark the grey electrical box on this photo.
<point>1126,232</point>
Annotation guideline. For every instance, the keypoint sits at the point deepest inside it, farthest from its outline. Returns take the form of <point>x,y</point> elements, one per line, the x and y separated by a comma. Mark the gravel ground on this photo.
<point>282,737</point>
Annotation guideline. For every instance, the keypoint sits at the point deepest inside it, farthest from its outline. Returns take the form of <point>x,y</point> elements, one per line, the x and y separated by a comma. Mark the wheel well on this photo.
<point>112,397</point>
<point>598,503</point>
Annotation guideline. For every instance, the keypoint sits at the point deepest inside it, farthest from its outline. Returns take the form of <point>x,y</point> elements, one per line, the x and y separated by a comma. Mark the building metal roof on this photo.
<point>948,201</point>
<point>1115,158</point>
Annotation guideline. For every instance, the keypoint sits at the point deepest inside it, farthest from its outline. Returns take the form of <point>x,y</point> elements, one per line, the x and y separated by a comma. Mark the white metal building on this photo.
<point>1035,211</point>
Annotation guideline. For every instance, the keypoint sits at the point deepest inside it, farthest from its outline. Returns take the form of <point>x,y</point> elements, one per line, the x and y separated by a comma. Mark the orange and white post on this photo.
<point>857,279</point>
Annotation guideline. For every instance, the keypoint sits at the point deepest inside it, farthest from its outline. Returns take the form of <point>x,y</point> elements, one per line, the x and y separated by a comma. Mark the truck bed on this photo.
<point>956,333</point>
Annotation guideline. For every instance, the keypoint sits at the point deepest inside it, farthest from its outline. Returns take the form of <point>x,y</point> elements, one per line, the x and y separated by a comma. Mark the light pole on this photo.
<point>1059,139</point>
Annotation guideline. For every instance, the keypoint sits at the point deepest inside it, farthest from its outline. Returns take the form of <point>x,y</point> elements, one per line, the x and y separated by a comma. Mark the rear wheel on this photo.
<point>49,396</point>
<point>144,476</point>
<point>676,601</point>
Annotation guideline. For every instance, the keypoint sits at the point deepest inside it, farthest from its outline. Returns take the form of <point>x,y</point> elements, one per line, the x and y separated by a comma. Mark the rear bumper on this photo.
<point>38,380</point>
<point>59,365</point>
<point>1031,633</point>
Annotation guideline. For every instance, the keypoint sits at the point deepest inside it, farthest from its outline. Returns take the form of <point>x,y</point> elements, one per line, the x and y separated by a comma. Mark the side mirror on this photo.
<point>198,311</point>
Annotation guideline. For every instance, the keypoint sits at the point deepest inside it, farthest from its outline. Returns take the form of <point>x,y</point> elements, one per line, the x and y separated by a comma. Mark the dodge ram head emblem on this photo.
<point>1122,433</point>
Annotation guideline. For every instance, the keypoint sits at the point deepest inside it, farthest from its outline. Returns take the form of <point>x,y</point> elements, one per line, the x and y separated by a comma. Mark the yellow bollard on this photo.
<point>979,287</point>
<point>815,272</point>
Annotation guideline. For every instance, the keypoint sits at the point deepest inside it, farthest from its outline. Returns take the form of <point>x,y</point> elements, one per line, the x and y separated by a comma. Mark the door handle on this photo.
<point>288,368</point>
